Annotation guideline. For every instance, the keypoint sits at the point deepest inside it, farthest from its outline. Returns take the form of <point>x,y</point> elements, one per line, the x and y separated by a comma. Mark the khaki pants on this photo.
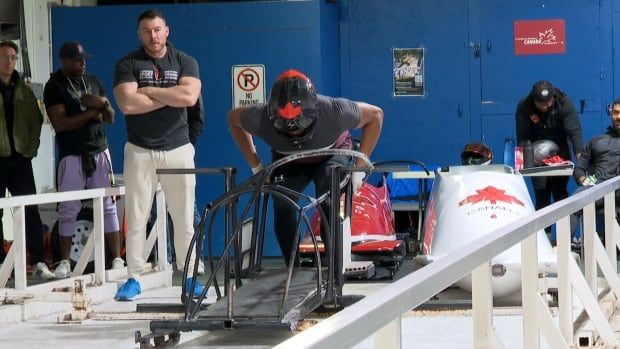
<point>140,185</point>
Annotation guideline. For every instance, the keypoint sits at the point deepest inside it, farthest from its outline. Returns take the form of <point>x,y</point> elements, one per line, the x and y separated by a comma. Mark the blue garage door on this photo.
<point>506,77</point>
<point>433,127</point>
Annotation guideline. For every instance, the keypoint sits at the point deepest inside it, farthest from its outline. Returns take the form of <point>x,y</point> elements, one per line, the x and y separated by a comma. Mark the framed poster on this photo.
<point>408,71</point>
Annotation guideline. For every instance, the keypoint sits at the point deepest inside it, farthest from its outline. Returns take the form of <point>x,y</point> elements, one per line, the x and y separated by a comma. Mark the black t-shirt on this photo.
<point>336,116</point>
<point>60,89</point>
<point>165,128</point>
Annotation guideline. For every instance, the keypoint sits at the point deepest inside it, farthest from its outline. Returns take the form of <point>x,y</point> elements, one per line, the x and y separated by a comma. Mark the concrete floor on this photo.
<point>117,323</point>
<point>420,329</point>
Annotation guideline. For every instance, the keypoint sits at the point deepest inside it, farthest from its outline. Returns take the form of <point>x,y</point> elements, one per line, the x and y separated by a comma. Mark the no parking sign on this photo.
<point>248,83</point>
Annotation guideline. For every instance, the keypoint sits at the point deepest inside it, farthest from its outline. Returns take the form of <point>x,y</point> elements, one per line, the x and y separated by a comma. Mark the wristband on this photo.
<point>258,168</point>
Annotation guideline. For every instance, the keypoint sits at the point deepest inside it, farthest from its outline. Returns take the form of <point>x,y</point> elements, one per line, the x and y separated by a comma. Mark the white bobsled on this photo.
<point>468,202</point>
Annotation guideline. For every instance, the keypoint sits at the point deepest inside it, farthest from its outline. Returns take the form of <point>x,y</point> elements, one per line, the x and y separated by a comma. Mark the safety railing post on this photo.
<point>482,307</point>
<point>389,336</point>
<point>19,246</point>
<point>529,291</point>
<point>162,231</point>
<point>98,234</point>
<point>611,233</point>
<point>565,290</point>
<point>589,226</point>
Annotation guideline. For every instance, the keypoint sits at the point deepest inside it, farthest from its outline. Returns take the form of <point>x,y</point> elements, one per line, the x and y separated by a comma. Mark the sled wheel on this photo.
<point>159,340</point>
<point>83,228</point>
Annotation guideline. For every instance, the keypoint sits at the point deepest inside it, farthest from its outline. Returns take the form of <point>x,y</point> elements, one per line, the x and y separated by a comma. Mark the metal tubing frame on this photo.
<point>260,187</point>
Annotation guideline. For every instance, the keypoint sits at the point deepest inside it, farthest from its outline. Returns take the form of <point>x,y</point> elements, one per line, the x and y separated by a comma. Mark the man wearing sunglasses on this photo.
<point>296,119</point>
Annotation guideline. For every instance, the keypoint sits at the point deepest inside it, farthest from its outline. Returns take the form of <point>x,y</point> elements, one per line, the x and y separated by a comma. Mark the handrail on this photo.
<point>379,311</point>
<point>16,257</point>
<point>46,198</point>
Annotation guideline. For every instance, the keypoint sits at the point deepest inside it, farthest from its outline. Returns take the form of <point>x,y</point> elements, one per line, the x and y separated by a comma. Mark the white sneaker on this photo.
<point>201,268</point>
<point>42,271</point>
<point>118,263</point>
<point>63,270</point>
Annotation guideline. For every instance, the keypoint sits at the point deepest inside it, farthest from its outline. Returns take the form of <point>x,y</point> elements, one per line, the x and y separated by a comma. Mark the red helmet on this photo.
<point>476,153</point>
<point>292,106</point>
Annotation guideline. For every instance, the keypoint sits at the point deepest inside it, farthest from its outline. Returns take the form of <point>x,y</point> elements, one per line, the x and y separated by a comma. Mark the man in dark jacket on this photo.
<point>547,113</point>
<point>599,162</point>
<point>20,129</point>
<point>600,159</point>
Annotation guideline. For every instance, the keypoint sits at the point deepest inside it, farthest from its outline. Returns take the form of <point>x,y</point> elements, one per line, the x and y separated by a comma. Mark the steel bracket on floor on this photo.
<point>157,340</point>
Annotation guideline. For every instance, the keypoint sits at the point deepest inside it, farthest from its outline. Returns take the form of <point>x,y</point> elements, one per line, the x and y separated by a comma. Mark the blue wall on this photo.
<point>279,35</point>
<point>487,88</point>
<point>347,49</point>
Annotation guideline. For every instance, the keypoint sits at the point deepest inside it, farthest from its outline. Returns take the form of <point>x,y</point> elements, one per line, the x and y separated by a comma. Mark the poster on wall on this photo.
<point>408,71</point>
<point>539,37</point>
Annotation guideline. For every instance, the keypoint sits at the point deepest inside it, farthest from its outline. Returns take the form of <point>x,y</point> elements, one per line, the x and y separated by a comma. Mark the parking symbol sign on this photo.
<point>248,82</point>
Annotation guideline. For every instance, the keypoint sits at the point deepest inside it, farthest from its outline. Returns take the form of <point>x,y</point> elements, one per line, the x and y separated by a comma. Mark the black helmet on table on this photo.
<point>544,149</point>
<point>292,106</point>
<point>476,153</point>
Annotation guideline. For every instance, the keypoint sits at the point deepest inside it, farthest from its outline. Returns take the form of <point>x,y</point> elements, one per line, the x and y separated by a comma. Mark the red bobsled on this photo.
<point>373,236</point>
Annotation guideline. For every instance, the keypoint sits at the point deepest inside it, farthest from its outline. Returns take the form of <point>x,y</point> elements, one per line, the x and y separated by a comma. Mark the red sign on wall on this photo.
<point>539,37</point>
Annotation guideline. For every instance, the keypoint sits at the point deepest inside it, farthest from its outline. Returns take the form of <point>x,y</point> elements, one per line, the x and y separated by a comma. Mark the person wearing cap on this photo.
<point>296,119</point>
<point>20,129</point>
<point>547,113</point>
<point>153,86</point>
<point>78,108</point>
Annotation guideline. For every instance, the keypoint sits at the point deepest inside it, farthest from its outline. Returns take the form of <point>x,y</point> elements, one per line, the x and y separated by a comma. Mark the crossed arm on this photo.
<point>98,108</point>
<point>133,100</point>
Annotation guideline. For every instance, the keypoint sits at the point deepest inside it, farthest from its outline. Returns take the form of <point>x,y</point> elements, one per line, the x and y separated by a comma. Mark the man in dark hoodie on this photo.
<point>600,159</point>
<point>599,162</point>
<point>547,113</point>
<point>77,107</point>
<point>20,129</point>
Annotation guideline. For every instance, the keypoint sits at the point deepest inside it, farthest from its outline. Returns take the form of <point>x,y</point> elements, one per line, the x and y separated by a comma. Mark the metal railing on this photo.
<point>380,314</point>
<point>15,260</point>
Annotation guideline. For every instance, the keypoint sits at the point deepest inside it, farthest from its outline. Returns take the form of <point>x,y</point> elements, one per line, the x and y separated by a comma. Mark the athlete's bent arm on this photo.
<point>371,122</point>
<point>242,138</point>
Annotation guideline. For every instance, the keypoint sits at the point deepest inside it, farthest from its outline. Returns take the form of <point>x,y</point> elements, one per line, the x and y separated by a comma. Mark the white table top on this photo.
<point>424,175</point>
